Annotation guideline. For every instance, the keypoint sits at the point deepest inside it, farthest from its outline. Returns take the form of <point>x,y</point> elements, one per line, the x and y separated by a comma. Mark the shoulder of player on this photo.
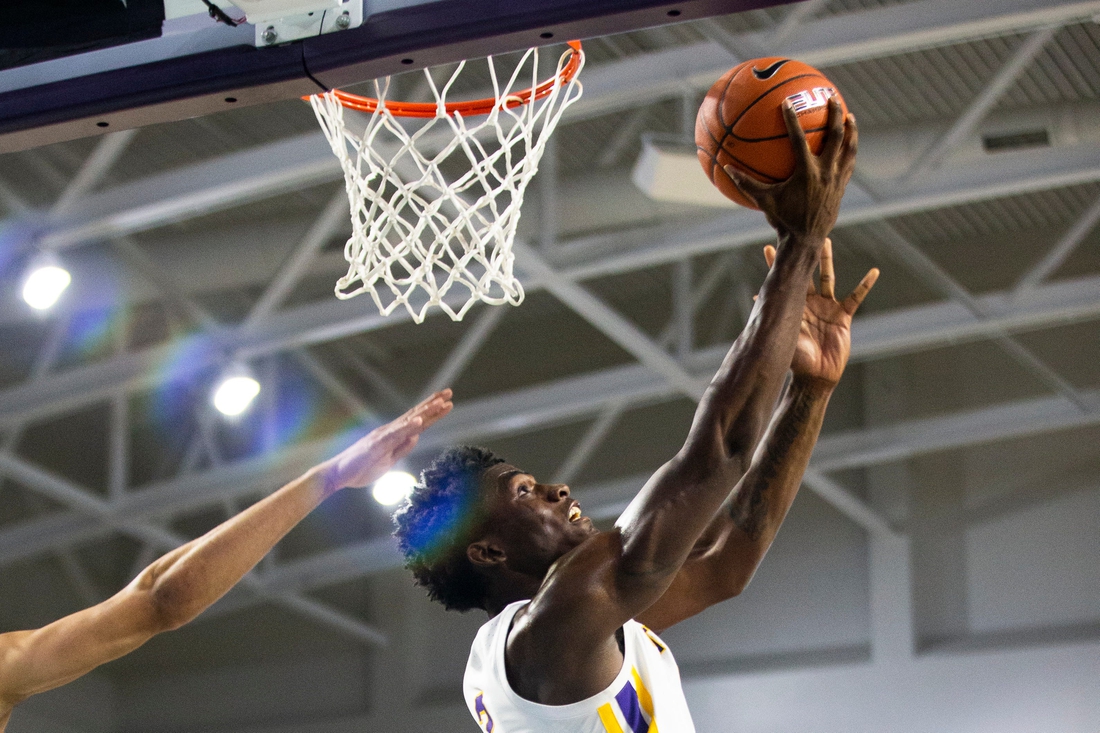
<point>575,599</point>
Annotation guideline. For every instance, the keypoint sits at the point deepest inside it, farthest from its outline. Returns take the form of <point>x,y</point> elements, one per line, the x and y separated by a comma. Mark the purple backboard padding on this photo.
<point>431,33</point>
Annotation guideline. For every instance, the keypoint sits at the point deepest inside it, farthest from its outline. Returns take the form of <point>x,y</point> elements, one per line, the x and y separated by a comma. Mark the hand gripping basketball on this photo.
<point>807,203</point>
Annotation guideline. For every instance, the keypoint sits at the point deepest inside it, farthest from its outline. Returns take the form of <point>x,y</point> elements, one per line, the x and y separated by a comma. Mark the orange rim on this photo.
<point>471,107</point>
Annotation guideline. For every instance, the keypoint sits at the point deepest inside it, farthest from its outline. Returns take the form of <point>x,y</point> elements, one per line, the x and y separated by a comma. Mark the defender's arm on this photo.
<point>180,585</point>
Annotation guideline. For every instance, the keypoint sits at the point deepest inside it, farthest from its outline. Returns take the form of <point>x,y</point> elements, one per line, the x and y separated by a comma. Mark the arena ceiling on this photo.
<point>195,242</point>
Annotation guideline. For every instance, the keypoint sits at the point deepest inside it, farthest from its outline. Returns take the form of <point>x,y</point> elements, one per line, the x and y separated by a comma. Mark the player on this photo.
<point>562,650</point>
<point>182,584</point>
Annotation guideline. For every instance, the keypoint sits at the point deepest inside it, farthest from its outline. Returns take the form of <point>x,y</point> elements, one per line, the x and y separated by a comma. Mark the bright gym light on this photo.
<point>393,487</point>
<point>235,392</point>
<point>44,284</point>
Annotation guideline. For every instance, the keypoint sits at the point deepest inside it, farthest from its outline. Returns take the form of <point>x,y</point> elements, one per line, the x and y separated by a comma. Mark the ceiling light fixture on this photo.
<point>236,391</point>
<point>393,487</point>
<point>46,280</point>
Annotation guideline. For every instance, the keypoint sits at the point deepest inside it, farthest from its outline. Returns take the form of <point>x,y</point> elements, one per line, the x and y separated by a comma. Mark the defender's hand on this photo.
<point>368,458</point>
<point>805,206</point>
<point>825,338</point>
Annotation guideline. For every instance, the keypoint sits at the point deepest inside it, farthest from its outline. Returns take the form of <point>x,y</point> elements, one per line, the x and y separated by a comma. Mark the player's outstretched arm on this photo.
<point>723,561</point>
<point>180,585</point>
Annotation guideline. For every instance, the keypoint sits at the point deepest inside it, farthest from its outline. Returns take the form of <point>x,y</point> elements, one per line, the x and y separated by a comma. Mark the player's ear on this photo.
<point>485,553</point>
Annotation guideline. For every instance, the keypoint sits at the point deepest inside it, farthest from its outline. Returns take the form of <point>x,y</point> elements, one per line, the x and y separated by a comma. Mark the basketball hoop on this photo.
<point>435,204</point>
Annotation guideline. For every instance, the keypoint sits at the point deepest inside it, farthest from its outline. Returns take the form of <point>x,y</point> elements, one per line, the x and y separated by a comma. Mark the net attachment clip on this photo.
<point>282,21</point>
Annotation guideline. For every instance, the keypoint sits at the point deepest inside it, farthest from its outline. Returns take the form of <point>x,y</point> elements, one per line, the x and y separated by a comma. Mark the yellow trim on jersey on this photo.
<point>607,717</point>
<point>644,698</point>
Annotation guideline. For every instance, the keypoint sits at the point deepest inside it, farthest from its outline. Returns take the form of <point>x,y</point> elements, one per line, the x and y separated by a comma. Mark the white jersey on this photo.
<point>646,696</point>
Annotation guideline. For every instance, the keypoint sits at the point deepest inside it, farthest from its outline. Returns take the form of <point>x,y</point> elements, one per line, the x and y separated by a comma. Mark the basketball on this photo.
<point>740,122</point>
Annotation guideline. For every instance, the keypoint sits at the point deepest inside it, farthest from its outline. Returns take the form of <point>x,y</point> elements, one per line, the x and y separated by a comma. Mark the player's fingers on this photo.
<point>769,255</point>
<point>851,143</point>
<point>855,298</point>
<point>834,140</point>
<point>828,278</point>
<point>746,184</point>
<point>802,154</point>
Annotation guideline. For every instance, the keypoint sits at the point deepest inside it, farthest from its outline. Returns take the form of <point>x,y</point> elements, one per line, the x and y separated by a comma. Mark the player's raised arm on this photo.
<point>179,586</point>
<point>662,524</point>
<point>616,575</point>
<point>726,556</point>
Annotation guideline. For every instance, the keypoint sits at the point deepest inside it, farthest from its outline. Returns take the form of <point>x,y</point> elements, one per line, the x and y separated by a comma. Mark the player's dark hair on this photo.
<point>433,527</point>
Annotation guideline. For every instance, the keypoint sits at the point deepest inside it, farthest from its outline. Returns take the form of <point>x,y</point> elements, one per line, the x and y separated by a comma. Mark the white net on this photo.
<point>435,202</point>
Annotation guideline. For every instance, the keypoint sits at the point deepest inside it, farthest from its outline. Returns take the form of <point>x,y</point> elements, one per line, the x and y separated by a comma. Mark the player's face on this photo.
<point>537,523</point>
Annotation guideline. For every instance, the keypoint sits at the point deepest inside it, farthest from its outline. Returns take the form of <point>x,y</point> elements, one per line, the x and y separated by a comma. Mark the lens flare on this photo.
<point>44,286</point>
<point>393,487</point>
<point>235,394</point>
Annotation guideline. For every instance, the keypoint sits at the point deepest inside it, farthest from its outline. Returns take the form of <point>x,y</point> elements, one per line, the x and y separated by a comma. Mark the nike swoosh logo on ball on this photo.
<point>769,72</point>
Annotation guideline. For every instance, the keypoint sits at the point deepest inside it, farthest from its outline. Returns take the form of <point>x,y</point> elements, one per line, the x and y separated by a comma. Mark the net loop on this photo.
<point>436,199</point>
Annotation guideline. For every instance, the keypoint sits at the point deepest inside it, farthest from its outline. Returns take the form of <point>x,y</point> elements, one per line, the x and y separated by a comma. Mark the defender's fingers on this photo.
<point>436,405</point>
<point>399,430</point>
<point>405,447</point>
<point>834,140</point>
<point>436,410</point>
<point>828,278</point>
<point>802,154</point>
<point>855,298</point>
<point>432,400</point>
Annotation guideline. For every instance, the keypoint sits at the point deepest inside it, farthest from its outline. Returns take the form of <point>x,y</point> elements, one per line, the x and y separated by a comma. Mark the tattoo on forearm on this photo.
<point>749,507</point>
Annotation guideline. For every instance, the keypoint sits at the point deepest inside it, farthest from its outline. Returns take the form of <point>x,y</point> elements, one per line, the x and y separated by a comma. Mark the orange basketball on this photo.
<point>740,122</point>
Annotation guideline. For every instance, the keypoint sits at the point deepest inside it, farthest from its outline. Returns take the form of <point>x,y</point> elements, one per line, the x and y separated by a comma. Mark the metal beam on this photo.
<point>588,443</point>
<point>846,503</point>
<point>603,423</point>
<point>798,14</point>
<point>614,326</point>
<point>1060,251</point>
<point>472,340</point>
<point>991,178</point>
<point>571,399</point>
<point>980,106</point>
<point>297,163</point>
<point>109,148</point>
<point>900,441</point>
<point>608,500</point>
<point>880,335</point>
<point>229,180</point>
<point>61,490</point>
<point>333,218</point>
<point>928,270</point>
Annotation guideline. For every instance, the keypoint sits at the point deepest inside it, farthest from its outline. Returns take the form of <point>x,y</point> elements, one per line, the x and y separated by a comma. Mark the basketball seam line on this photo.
<point>729,127</point>
<point>748,168</point>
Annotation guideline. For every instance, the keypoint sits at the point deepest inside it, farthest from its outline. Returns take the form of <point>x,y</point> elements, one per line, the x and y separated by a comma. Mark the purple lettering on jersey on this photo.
<point>632,709</point>
<point>483,717</point>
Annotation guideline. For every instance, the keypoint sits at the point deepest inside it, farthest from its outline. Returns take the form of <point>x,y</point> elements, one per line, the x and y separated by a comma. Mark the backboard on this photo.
<point>280,49</point>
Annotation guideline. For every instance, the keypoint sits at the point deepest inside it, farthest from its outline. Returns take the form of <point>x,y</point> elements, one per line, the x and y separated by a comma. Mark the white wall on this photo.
<point>1036,568</point>
<point>810,594</point>
<point>1035,690</point>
